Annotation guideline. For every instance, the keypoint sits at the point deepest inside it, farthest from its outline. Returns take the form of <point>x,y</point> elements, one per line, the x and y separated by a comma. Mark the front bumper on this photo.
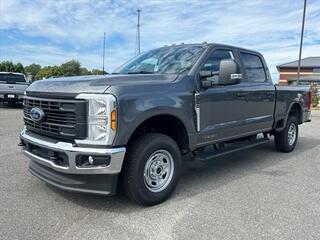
<point>92,179</point>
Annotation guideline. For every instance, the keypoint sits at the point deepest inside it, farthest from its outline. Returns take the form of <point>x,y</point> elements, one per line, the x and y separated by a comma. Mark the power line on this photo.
<point>301,40</point>
<point>138,33</point>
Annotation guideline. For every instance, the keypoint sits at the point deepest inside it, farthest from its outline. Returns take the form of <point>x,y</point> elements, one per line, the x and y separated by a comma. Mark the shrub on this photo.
<point>315,97</point>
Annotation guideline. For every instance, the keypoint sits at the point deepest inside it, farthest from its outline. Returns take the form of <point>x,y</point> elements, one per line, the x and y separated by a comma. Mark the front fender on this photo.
<point>133,112</point>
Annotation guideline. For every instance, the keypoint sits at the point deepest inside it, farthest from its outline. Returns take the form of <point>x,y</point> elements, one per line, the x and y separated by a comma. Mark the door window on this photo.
<point>213,63</point>
<point>254,67</point>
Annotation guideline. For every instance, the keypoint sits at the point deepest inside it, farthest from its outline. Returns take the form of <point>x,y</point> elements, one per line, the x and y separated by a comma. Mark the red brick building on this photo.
<point>309,71</point>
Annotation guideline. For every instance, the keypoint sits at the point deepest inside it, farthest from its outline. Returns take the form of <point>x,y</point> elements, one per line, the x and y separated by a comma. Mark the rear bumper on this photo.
<point>7,97</point>
<point>70,176</point>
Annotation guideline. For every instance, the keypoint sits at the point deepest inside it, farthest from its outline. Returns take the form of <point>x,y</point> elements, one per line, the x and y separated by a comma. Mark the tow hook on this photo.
<point>21,144</point>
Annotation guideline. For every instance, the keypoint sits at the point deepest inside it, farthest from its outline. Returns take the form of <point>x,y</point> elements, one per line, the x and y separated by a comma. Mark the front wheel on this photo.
<point>151,169</point>
<point>286,140</point>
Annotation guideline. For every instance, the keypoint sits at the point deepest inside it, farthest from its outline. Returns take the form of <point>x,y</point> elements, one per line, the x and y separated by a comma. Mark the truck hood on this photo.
<point>71,86</point>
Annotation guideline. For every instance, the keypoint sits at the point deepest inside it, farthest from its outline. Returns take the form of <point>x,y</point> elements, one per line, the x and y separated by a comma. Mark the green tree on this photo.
<point>315,97</point>
<point>33,69</point>
<point>84,71</point>
<point>19,68</point>
<point>71,68</point>
<point>48,72</point>
<point>98,72</point>
<point>8,66</point>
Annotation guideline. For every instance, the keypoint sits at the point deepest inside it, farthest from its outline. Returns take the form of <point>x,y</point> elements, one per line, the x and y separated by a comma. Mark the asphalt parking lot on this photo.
<point>256,194</point>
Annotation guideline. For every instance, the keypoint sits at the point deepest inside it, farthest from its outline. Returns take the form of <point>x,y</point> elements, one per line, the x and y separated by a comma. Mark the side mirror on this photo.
<point>206,74</point>
<point>229,73</point>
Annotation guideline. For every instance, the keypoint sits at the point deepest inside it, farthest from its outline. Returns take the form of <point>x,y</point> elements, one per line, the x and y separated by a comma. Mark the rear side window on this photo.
<point>254,67</point>
<point>11,78</point>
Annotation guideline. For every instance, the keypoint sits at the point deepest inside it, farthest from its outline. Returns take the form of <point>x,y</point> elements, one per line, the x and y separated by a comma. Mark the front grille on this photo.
<point>65,119</point>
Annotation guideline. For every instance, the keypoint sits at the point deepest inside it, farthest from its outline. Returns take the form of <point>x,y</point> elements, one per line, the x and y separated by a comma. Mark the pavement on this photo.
<point>255,194</point>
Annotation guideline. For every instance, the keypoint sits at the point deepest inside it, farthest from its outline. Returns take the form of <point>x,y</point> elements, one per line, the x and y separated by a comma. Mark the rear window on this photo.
<point>254,67</point>
<point>12,78</point>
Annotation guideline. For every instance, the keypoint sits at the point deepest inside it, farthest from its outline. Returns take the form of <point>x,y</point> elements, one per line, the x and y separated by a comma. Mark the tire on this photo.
<point>147,179</point>
<point>286,140</point>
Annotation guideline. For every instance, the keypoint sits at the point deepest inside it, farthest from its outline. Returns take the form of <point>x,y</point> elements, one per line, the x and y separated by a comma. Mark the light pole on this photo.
<point>301,40</point>
<point>138,33</point>
<point>104,50</point>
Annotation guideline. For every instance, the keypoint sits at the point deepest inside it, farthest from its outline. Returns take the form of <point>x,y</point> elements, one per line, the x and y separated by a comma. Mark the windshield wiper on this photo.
<point>141,72</point>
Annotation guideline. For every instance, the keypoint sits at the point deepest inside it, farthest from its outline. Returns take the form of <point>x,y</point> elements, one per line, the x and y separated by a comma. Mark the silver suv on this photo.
<point>12,87</point>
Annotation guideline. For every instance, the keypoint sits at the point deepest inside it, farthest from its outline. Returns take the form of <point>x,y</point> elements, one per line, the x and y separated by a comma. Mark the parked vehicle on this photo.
<point>83,133</point>
<point>12,87</point>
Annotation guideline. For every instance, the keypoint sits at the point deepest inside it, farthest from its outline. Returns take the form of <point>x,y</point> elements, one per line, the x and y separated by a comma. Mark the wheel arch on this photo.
<point>296,111</point>
<point>168,124</point>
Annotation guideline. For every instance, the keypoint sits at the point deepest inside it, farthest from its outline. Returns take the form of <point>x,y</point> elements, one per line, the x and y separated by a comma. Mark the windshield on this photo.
<point>12,78</point>
<point>171,60</point>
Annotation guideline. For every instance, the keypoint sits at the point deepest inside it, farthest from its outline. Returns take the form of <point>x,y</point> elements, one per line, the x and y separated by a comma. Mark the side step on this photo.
<point>229,148</point>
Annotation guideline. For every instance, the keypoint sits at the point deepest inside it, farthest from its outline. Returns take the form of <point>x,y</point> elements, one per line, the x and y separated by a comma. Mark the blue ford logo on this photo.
<point>37,114</point>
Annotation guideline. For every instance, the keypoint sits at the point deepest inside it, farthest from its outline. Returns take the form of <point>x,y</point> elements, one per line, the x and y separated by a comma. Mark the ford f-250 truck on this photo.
<point>206,100</point>
<point>12,87</point>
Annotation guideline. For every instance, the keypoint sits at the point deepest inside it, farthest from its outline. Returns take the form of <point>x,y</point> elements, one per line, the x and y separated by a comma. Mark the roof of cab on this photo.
<point>205,44</point>
<point>13,73</point>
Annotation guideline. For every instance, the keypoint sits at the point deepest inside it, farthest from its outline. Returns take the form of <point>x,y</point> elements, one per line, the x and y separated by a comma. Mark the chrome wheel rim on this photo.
<point>158,170</point>
<point>292,134</point>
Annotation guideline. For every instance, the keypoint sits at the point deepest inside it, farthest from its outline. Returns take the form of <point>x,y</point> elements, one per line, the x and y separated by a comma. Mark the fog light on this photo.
<point>90,159</point>
<point>86,161</point>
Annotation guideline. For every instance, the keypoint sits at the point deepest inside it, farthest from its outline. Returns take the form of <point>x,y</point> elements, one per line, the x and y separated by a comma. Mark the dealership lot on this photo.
<point>255,194</point>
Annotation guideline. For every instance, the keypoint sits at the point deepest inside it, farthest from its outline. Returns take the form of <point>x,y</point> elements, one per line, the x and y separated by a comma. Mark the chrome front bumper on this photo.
<point>116,155</point>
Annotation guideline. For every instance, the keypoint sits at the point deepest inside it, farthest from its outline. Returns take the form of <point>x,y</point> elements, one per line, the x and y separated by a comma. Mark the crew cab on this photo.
<point>129,130</point>
<point>12,87</point>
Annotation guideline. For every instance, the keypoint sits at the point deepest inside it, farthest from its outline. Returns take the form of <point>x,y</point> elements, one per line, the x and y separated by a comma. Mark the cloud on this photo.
<point>51,32</point>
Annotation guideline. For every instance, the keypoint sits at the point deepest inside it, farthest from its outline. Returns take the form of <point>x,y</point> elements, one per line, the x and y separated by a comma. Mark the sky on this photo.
<point>50,32</point>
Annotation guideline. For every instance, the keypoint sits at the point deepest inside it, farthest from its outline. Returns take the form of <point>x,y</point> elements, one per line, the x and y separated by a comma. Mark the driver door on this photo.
<point>222,108</point>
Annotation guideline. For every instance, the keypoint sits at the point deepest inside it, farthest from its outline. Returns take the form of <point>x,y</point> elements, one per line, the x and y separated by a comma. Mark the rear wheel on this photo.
<point>286,140</point>
<point>151,169</point>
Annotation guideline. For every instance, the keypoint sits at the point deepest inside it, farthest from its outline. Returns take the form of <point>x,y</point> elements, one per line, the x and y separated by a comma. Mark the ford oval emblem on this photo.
<point>37,114</point>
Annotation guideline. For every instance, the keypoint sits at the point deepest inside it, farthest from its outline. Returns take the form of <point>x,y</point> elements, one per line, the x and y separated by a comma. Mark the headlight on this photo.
<point>101,119</point>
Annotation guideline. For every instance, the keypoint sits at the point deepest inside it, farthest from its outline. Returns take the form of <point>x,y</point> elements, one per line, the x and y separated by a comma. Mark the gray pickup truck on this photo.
<point>12,87</point>
<point>129,130</point>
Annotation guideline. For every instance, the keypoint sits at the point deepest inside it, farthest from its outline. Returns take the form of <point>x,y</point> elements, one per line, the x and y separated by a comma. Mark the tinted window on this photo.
<point>254,67</point>
<point>11,78</point>
<point>213,63</point>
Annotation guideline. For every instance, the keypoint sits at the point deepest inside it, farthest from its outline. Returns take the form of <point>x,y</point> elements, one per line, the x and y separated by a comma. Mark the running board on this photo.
<point>234,147</point>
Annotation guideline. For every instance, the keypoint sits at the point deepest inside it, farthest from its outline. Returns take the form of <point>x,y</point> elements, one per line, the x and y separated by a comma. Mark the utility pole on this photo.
<point>138,33</point>
<point>104,50</point>
<point>301,40</point>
